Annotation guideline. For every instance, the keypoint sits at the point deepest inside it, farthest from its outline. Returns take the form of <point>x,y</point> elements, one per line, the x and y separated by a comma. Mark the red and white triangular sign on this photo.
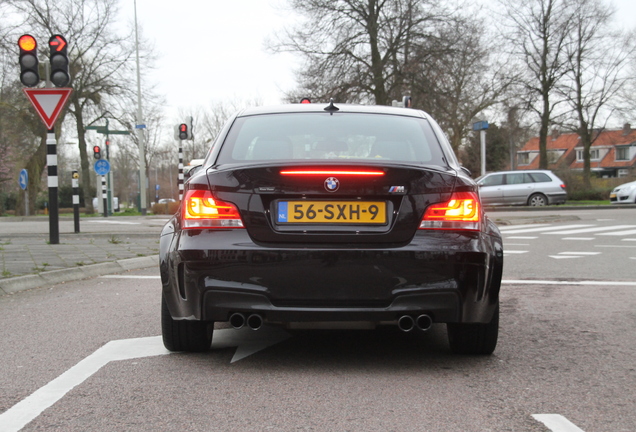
<point>48,102</point>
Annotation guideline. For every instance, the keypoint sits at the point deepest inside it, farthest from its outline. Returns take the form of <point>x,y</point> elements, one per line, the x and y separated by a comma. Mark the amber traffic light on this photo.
<point>29,75</point>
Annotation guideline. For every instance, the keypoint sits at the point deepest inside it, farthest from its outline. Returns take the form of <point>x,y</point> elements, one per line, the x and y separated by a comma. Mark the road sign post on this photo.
<point>76,201</point>
<point>23,180</point>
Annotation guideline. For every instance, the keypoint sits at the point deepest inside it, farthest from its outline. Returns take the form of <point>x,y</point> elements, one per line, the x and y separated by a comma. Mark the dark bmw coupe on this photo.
<point>331,216</point>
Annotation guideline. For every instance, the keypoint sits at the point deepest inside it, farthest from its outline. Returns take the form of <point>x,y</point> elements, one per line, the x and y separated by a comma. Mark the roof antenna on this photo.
<point>331,107</point>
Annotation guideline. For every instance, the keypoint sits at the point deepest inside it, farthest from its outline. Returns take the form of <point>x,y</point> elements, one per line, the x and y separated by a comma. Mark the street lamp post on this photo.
<point>140,127</point>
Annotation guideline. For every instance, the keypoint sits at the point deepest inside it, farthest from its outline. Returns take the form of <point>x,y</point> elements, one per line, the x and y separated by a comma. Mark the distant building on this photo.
<point>612,154</point>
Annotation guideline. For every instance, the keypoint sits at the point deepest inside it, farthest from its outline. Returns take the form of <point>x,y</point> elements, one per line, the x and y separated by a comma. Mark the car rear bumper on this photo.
<point>558,198</point>
<point>452,277</point>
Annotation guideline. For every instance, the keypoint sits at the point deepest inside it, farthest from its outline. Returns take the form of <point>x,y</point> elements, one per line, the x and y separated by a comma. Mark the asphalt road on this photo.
<point>563,349</point>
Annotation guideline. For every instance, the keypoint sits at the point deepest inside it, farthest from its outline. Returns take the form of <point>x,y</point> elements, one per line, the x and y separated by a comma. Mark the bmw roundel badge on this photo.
<point>332,184</point>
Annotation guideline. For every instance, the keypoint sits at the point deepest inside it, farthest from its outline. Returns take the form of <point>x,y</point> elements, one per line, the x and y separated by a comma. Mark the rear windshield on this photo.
<point>323,136</point>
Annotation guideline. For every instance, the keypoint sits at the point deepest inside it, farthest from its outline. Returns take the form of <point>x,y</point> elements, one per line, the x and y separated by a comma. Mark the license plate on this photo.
<point>352,212</point>
<point>613,195</point>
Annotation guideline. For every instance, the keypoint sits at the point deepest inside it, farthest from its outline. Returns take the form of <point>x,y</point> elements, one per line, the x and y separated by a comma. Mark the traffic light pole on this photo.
<point>51,161</point>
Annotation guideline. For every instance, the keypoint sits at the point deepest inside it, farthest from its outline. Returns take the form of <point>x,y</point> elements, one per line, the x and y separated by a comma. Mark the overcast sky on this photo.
<point>229,36</point>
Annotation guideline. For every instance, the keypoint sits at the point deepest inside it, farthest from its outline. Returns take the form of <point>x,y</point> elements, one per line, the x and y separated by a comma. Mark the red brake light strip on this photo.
<point>332,172</point>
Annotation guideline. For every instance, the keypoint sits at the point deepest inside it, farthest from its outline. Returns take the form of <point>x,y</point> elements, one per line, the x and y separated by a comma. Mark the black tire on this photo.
<point>476,339</point>
<point>538,200</point>
<point>184,335</point>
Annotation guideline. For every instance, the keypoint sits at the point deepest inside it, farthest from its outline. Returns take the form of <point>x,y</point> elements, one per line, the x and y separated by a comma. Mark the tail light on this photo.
<point>461,212</point>
<point>200,210</point>
<point>563,186</point>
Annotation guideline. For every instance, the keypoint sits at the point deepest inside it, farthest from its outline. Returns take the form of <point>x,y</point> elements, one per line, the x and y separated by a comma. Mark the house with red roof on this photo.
<point>612,154</point>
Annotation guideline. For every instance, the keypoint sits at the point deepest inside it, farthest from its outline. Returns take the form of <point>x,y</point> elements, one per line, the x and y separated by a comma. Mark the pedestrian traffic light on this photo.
<point>183,131</point>
<point>29,75</point>
<point>59,61</point>
<point>97,152</point>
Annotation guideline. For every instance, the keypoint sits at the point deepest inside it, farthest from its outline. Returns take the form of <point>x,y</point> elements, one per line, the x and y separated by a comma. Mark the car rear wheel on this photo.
<point>477,339</point>
<point>184,335</point>
<point>537,200</point>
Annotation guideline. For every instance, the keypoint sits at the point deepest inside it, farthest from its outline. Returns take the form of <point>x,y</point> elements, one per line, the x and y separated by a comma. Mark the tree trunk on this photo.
<point>86,174</point>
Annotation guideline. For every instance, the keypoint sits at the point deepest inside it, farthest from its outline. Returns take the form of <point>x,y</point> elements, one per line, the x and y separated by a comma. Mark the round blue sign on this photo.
<point>23,179</point>
<point>102,167</point>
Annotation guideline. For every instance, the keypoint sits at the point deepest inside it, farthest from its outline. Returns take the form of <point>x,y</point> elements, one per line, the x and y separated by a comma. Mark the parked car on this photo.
<point>527,187</point>
<point>339,216</point>
<point>624,194</point>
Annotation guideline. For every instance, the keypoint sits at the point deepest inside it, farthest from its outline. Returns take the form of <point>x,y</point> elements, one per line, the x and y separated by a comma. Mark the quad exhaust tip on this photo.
<point>255,321</point>
<point>237,320</point>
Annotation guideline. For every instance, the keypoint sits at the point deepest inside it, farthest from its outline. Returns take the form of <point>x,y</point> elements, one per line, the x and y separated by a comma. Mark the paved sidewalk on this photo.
<point>104,245</point>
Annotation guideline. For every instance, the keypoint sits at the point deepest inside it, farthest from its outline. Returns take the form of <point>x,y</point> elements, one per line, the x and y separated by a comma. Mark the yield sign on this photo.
<point>48,102</point>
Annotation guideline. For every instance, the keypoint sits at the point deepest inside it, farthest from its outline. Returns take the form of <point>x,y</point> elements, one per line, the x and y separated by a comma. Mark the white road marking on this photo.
<point>589,230</point>
<point>544,229</point>
<point>522,238</point>
<point>511,252</point>
<point>634,239</point>
<point>575,283</point>
<point>563,256</point>
<point>514,227</point>
<point>129,277</point>
<point>619,233</point>
<point>517,244</point>
<point>579,253</point>
<point>557,423</point>
<point>113,222</point>
<point>577,238</point>
<point>19,415</point>
<point>615,246</point>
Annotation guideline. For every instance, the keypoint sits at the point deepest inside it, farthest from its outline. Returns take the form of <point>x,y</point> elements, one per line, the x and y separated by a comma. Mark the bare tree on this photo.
<point>597,71</point>
<point>462,79</point>
<point>538,31</point>
<point>359,50</point>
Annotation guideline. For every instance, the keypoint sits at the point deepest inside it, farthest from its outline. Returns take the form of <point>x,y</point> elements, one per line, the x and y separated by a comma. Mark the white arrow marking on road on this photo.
<point>557,423</point>
<point>246,340</point>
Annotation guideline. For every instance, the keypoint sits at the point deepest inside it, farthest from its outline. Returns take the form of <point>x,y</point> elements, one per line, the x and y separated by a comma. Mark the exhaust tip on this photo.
<point>237,320</point>
<point>424,322</point>
<point>255,321</point>
<point>406,323</point>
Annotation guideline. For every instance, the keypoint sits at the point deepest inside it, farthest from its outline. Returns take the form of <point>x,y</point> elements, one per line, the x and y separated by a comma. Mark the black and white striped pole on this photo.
<point>51,162</point>
<point>105,196</point>
<point>76,201</point>
<point>180,172</point>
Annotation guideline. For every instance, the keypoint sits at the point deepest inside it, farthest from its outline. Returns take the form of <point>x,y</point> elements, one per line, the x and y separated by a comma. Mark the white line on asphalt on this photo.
<point>564,256</point>
<point>579,253</point>
<point>634,239</point>
<point>542,229</point>
<point>557,423</point>
<point>589,230</point>
<point>129,277</point>
<point>619,233</point>
<point>507,252</point>
<point>514,227</point>
<point>615,246</point>
<point>577,238</point>
<point>114,222</point>
<point>20,414</point>
<point>517,244</point>
<point>522,238</point>
<point>554,282</point>
<point>246,341</point>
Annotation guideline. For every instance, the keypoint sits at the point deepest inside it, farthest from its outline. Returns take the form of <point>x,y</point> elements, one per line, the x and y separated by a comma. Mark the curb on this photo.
<point>23,283</point>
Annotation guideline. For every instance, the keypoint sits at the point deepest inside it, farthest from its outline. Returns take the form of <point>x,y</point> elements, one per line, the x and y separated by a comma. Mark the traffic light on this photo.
<point>305,100</point>
<point>97,152</point>
<point>183,131</point>
<point>29,75</point>
<point>59,61</point>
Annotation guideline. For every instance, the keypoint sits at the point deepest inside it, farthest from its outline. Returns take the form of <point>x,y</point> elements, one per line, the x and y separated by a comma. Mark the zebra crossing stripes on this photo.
<point>542,229</point>
<point>612,230</point>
